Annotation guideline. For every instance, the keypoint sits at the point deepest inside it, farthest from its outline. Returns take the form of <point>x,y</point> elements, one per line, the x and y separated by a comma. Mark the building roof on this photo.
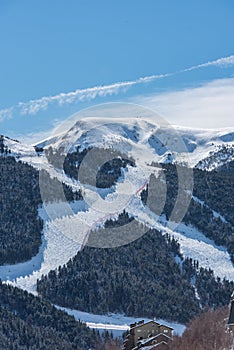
<point>149,340</point>
<point>159,344</point>
<point>162,334</point>
<point>142,323</point>
<point>166,326</point>
<point>151,347</point>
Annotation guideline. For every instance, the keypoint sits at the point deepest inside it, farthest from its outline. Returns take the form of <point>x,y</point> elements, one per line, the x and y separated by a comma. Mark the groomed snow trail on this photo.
<point>116,323</point>
<point>193,243</point>
<point>57,248</point>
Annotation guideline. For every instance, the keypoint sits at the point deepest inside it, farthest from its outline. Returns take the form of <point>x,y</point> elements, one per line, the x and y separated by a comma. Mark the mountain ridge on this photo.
<point>150,151</point>
<point>107,133</point>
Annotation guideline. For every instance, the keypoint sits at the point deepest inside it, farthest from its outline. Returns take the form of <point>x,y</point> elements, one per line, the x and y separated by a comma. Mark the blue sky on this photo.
<point>53,47</point>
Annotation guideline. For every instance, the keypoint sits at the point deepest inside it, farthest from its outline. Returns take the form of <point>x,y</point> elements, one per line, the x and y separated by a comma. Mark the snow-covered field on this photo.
<point>116,323</point>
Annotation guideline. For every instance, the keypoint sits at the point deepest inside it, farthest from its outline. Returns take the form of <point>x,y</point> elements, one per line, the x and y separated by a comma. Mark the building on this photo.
<point>150,335</point>
<point>231,317</point>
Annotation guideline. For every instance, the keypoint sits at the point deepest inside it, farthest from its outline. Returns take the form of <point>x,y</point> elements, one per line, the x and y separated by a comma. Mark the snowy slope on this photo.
<point>223,155</point>
<point>18,149</point>
<point>134,134</point>
<point>194,244</point>
<point>116,323</point>
<point>65,235</point>
<point>145,142</point>
<point>137,137</point>
<point>66,232</point>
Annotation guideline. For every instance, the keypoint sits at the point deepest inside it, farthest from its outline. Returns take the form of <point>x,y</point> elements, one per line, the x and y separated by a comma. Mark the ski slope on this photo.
<point>58,248</point>
<point>143,141</point>
<point>116,323</point>
<point>193,243</point>
<point>66,232</point>
<point>64,236</point>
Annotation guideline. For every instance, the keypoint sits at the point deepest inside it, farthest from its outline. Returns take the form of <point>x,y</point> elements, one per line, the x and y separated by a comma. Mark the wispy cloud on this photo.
<point>6,113</point>
<point>221,62</point>
<point>34,106</point>
<point>208,106</point>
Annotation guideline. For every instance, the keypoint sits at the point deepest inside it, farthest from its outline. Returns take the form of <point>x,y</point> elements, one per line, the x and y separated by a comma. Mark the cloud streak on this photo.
<point>208,106</point>
<point>34,106</point>
<point>6,113</point>
<point>222,62</point>
<point>79,95</point>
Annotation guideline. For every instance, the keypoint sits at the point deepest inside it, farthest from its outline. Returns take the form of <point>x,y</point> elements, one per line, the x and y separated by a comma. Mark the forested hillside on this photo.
<point>20,225</point>
<point>215,189</point>
<point>107,173</point>
<point>148,277</point>
<point>139,279</point>
<point>28,322</point>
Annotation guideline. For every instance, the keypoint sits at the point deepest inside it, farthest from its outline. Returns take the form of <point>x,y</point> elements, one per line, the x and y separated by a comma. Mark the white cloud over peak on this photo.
<point>208,106</point>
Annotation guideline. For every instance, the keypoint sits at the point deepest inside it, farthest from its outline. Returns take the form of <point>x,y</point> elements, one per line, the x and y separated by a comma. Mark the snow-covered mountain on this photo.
<point>138,136</point>
<point>15,148</point>
<point>218,159</point>
<point>146,143</point>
